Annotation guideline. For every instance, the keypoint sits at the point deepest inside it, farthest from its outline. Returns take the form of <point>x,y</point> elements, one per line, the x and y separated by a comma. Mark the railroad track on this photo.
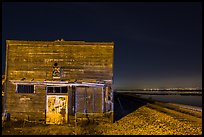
<point>128,103</point>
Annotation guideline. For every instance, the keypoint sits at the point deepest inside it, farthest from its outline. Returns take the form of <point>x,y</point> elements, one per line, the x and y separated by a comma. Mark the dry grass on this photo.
<point>11,128</point>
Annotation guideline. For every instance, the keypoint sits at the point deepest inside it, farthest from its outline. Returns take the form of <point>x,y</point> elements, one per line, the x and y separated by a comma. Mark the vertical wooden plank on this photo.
<point>102,99</point>
<point>93,103</point>
<point>85,99</point>
<point>68,104</point>
<point>76,101</point>
<point>45,103</point>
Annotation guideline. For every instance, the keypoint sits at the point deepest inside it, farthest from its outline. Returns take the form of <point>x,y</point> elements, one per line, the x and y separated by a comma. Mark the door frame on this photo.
<point>57,95</point>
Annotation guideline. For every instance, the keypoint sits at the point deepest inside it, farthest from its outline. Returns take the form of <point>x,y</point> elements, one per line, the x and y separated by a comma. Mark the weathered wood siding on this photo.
<point>34,60</point>
<point>26,106</point>
<point>78,60</point>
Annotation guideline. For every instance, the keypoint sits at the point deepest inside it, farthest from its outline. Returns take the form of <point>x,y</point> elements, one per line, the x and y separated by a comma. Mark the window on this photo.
<point>63,89</point>
<point>56,74</point>
<point>57,90</point>
<point>25,88</point>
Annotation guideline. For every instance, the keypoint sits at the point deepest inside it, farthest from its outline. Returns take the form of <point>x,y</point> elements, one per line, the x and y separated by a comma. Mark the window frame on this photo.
<point>25,92</point>
<point>53,89</point>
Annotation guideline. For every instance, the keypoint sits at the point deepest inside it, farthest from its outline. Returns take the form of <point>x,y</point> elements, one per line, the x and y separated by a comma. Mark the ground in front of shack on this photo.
<point>143,121</point>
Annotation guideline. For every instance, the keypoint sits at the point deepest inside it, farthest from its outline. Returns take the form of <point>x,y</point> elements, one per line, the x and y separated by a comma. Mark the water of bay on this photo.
<point>193,100</point>
<point>181,99</point>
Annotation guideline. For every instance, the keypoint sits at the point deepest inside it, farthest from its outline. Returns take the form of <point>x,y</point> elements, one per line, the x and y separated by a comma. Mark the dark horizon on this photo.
<point>157,45</point>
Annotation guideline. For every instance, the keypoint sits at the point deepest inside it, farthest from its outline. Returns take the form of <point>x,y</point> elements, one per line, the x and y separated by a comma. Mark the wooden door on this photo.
<point>57,109</point>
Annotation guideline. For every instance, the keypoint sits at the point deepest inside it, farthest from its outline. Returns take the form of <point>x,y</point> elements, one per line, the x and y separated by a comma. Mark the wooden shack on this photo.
<point>52,81</point>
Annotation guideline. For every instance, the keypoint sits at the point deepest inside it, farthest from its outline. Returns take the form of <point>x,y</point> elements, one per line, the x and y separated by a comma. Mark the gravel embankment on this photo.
<point>143,117</point>
<point>147,121</point>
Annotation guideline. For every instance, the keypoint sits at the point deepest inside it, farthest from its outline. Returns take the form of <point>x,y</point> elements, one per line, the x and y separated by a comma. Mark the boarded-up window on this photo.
<point>25,88</point>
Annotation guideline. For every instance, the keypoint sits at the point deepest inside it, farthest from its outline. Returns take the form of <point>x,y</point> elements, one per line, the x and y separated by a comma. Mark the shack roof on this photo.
<point>10,42</point>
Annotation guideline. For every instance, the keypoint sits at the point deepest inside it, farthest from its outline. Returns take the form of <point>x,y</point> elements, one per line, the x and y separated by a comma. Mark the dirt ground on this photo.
<point>146,120</point>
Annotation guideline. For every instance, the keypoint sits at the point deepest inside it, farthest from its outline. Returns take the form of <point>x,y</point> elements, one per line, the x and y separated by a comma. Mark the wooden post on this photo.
<point>93,103</point>
<point>68,104</point>
<point>45,103</point>
<point>112,106</point>
<point>102,100</point>
<point>75,122</point>
<point>75,119</point>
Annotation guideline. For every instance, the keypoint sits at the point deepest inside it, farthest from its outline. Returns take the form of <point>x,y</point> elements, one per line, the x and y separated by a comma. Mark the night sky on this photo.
<point>157,45</point>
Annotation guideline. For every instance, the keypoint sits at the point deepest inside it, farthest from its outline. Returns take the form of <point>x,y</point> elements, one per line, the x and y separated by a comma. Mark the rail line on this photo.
<point>130,102</point>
